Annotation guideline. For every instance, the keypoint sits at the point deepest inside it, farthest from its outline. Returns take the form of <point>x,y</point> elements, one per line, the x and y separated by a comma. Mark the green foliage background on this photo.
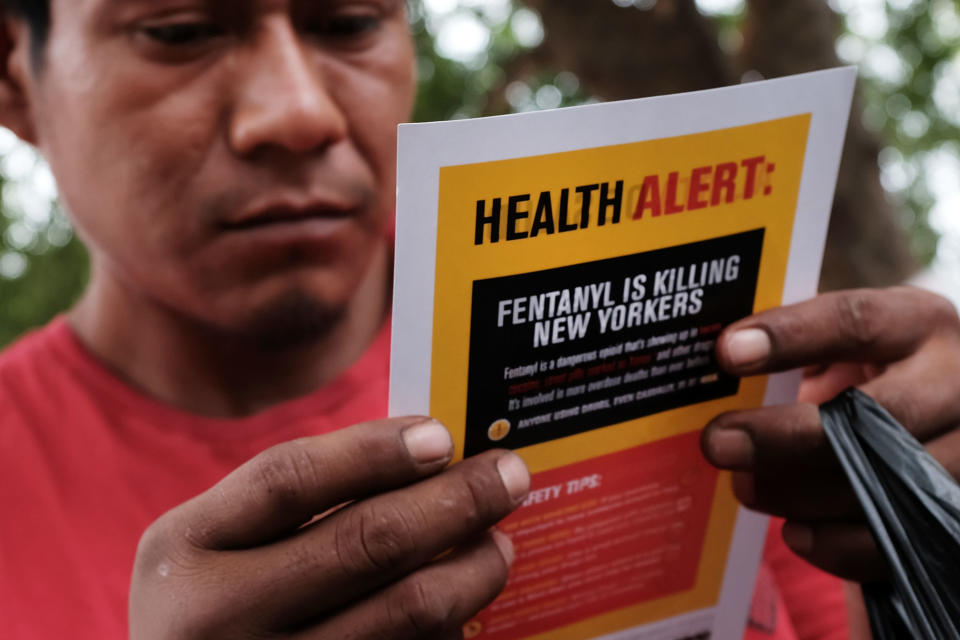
<point>44,267</point>
<point>925,37</point>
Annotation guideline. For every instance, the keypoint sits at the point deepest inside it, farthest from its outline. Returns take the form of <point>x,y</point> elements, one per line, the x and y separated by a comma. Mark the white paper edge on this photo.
<point>424,148</point>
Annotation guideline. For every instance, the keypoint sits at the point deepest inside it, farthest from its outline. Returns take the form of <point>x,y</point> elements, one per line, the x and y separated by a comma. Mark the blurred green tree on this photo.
<point>43,266</point>
<point>910,62</point>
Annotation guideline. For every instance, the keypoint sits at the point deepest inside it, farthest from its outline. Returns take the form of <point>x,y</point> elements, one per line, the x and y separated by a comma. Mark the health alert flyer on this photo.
<point>561,279</point>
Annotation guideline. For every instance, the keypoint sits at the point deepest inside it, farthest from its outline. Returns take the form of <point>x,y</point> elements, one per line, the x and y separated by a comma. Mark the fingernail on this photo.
<point>428,442</point>
<point>748,347</point>
<point>506,546</point>
<point>798,537</point>
<point>515,477</point>
<point>731,449</point>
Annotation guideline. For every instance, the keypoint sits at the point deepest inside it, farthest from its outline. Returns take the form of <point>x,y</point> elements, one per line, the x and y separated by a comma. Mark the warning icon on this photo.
<point>499,429</point>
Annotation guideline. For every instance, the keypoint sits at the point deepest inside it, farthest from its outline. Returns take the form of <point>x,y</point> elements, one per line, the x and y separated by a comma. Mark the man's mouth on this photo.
<point>286,214</point>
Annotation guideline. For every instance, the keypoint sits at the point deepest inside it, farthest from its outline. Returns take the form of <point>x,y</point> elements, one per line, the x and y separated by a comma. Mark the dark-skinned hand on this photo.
<point>267,553</point>
<point>901,346</point>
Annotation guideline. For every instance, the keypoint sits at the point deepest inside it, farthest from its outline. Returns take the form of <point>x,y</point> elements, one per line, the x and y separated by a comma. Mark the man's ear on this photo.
<point>15,69</point>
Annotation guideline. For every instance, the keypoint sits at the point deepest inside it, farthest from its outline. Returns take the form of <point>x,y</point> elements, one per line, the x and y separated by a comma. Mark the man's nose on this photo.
<point>282,99</point>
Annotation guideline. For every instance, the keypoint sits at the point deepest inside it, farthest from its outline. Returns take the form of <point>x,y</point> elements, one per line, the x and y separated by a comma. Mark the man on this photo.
<point>230,164</point>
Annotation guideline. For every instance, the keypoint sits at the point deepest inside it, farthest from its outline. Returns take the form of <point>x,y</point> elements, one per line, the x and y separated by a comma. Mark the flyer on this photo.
<point>561,279</point>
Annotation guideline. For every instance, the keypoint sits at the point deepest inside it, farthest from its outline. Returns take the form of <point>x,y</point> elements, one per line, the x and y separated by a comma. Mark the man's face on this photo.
<point>227,158</point>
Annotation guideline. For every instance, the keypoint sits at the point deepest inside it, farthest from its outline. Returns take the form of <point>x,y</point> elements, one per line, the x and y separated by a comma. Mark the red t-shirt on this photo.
<point>87,463</point>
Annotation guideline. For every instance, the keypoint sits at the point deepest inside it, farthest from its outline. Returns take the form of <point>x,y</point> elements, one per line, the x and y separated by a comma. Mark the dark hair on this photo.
<point>36,13</point>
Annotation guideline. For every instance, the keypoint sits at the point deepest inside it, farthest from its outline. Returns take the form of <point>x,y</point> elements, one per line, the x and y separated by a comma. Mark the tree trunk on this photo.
<point>626,52</point>
<point>865,246</point>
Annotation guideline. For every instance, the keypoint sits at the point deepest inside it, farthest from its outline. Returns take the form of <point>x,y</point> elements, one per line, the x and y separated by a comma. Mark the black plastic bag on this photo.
<point>913,508</point>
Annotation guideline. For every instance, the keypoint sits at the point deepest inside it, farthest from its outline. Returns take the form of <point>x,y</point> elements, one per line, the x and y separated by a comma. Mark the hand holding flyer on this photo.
<point>561,281</point>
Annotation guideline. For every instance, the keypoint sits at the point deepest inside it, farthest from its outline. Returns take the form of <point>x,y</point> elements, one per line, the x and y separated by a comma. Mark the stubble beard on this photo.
<point>295,319</point>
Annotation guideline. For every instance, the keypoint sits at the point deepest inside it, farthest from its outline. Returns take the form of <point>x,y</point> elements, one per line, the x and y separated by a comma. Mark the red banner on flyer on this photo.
<point>603,534</point>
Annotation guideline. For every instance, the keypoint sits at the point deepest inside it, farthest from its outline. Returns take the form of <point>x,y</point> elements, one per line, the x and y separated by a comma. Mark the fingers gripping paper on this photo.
<point>561,280</point>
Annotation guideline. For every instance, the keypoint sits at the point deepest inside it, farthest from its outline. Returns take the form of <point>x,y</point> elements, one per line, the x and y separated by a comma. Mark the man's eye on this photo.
<point>182,34</point>
<point>350,26</point>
